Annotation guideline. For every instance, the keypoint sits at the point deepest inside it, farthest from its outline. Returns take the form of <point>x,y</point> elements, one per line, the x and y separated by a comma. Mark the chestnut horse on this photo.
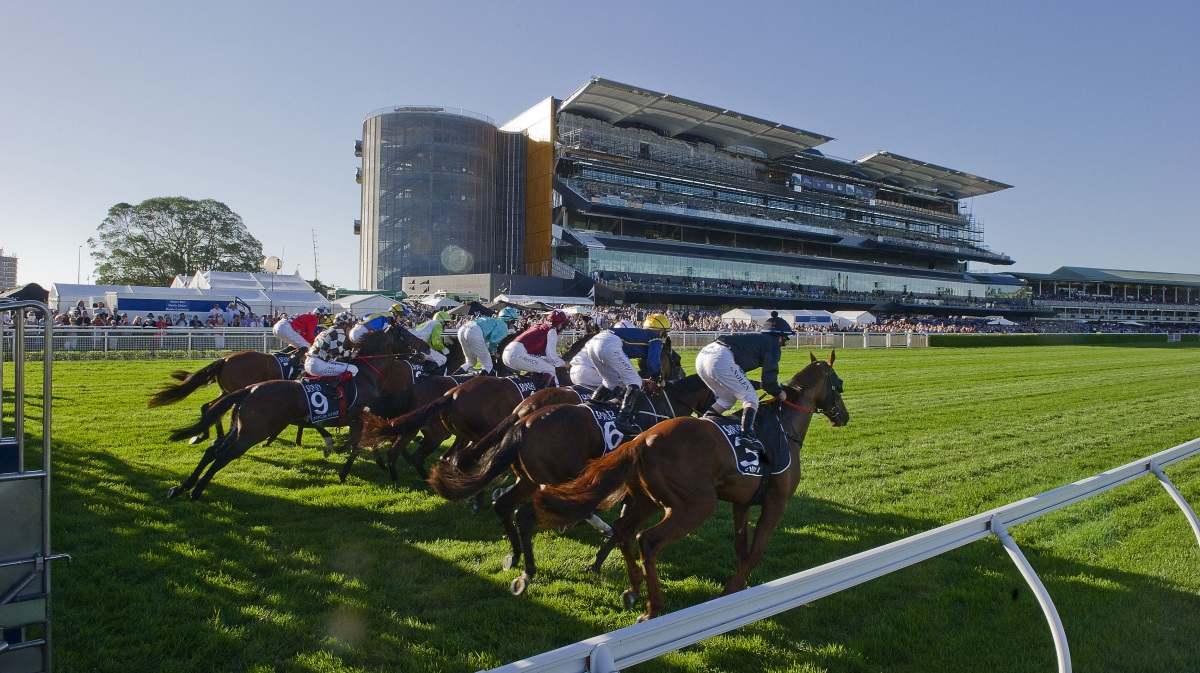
<point>236,371</point>
<point>552,446</point>
<point>685,466</point>
<point>262,411</point>
<point>468,411</point>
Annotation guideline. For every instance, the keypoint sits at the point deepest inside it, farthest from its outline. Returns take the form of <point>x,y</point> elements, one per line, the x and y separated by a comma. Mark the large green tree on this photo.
<point>160,238</point>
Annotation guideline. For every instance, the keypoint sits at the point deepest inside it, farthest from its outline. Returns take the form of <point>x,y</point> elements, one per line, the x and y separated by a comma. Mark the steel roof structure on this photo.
<point>913,174</point>
<point>1084,274</point>
<point>621,104</point>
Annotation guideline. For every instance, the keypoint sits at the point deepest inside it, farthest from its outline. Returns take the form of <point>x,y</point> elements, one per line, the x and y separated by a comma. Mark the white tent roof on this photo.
<point>557,301</point>
<point>758,316</point>
<point>363,304</point>
<point>440,302</point>
<point>1001,321</point>
<point>856,317</point>
<point>66,295</point>
<point>245,281</point>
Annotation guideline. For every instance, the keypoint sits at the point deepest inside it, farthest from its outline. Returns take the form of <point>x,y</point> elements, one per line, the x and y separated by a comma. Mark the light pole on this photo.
<point>78,263</point>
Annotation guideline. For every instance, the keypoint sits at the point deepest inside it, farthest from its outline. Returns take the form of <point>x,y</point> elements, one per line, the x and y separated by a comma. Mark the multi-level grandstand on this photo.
<point>1114,295</point>
<point>659,199</point>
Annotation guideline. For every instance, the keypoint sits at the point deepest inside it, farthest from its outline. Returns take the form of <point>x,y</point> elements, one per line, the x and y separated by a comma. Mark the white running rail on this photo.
<point>631,645</point>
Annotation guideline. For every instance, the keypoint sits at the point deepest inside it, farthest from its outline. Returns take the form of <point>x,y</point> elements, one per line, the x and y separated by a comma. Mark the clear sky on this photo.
<point>1088,109</point>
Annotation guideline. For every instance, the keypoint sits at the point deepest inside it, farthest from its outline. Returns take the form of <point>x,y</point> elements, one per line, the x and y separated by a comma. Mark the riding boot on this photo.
<point>625,413</point>
<point>601,395</point>
<point>748,437</point>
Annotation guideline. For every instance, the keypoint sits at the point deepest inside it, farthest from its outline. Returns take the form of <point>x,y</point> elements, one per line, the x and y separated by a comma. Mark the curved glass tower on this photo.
<point>442,193</point>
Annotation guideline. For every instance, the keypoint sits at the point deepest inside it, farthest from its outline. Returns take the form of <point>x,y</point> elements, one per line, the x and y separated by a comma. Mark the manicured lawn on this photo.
<point>281,568</point>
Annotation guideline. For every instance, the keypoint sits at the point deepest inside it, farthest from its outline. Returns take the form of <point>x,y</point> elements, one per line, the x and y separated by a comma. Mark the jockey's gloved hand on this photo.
<point>353,369</point>
<point>772,389</point>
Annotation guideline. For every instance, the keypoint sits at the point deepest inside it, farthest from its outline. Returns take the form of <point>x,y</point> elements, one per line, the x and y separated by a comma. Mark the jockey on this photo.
<point>481,337</point>
<point>330,345</point>
<point>723,364</point>
<point>430,332</point>
<point>583,370</point>
<point>376,321</point>
<point>536,349</point>
<point>300,331</point>
<point>611,351</point>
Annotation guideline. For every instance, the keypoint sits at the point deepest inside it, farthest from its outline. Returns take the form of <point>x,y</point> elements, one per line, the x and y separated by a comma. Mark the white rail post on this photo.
<point>601,660</point>
<point>1176,496</point>
<point>1043,597</point>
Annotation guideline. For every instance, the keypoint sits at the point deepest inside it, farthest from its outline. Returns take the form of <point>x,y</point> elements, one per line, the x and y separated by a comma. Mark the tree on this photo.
<point>160,238</point>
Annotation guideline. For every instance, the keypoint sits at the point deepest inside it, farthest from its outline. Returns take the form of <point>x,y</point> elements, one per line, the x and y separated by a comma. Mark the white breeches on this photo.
<point>436,357</point>
<point>319,367</point>
<point>608,356</point>
<point>474,347</point>
<point>515,357</point>
<point>719,372</point>
<point>284,330</point>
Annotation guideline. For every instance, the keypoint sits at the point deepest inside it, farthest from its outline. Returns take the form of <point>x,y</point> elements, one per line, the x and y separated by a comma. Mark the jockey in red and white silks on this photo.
<point>536,349</point>
<point>331,344</point>
<point>301,330</point>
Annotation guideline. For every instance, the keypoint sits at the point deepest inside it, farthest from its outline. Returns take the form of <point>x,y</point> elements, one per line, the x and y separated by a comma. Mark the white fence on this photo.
<point>183,343</point>
<point>634,644</point>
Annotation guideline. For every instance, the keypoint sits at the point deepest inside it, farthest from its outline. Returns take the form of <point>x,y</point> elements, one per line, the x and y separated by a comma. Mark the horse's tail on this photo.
<point>454,483</point>
<point>468,456</point>
<point>602,485</point>
<point>411,422</point>
<point>208,418</point>
<point>173,392</point>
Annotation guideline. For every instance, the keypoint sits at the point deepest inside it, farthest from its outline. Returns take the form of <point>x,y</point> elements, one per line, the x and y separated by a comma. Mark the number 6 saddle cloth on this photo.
<point>328,398</point>
<point>645,414</point>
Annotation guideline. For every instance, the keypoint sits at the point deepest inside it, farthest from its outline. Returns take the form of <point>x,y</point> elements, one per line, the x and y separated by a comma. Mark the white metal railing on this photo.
<point>138,343</point>
<point>634,644</point>
<point>838,340</point>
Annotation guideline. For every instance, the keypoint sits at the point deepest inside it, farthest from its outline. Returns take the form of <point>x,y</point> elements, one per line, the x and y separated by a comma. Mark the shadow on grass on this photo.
<point>374,576</point>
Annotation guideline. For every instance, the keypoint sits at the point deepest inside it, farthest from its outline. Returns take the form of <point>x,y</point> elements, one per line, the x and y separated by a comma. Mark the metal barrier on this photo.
<point>25,526</point>
<point>634,644</point>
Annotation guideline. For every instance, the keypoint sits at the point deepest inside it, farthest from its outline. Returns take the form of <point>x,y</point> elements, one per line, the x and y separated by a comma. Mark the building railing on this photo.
<point>631,645</point>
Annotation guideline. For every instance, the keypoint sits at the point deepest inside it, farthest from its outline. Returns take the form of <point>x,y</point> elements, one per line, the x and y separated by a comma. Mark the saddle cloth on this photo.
<point>321,394</point>
<point>287,370</point>
<point>584,393</point>
<point>606,420</point>
<point>526,385</point>
<point>768,431</point>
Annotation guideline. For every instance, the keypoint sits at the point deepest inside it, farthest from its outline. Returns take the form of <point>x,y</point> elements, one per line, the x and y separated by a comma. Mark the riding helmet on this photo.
<point>557,317</point>
<point>345,318</point>
<point>442,316</point>
<point>321,311</point>
<point>508,314</point>
<point>657,321</point>
<point>399,308</point>
<point>776,325</point>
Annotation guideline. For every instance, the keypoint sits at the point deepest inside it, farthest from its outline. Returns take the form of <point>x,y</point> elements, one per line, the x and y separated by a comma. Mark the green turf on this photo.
<point>281,568</point>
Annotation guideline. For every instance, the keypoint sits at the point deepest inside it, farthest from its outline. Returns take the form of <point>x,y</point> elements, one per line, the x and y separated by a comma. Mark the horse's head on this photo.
<point>672,364</point>
<point>405,342</point>
<point>819,388</point>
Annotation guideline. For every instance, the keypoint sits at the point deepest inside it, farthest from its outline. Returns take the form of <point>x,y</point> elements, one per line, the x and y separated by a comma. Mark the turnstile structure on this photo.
<point>24,501</point>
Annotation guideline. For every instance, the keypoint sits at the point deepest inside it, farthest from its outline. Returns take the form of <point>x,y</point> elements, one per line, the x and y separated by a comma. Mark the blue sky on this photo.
<point>1089,110</point>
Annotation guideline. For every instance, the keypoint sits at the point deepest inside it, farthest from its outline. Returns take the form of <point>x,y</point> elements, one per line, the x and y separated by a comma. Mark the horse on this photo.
<point>236,371</point>
<point>422,394</point>
<point>685,466</point>
<point>468,411</point>
<point>262,411</point>
<point>552,446</point>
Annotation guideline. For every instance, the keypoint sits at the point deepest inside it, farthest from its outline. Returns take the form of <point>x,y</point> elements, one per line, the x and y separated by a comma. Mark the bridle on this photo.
<point>830,410</point>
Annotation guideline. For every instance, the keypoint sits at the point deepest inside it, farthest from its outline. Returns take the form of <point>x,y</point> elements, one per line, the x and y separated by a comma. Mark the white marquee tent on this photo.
<point>363,304</point>
<point>851,318</point>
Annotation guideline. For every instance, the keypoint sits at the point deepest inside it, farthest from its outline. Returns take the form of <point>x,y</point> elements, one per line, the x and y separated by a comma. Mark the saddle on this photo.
<point>775,457</point>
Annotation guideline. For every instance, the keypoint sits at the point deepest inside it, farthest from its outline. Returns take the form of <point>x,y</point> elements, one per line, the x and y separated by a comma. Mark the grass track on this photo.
<point>280,568</point>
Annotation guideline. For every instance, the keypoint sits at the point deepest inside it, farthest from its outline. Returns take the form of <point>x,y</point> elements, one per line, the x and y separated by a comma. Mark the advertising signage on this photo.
<point>801,182</point>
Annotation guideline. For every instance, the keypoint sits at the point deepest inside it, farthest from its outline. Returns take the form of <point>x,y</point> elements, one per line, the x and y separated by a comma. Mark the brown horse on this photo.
<point>552,446</point>
<point>236,371</point>
<point>685,466</point>
<point>468,411</point>
<point>262,411</point>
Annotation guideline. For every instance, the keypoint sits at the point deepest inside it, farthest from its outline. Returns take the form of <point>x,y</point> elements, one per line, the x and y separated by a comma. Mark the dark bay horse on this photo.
<point>553,446</point>
<point>685,466</point>
<point>262,411</point>
<point>236,371</point>
<point>468,411</point>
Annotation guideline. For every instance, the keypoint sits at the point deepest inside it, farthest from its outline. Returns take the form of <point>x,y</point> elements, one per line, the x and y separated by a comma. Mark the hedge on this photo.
<point>982,340</point>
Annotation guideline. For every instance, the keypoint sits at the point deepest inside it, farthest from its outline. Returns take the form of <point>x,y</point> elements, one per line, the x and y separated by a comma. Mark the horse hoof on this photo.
<point>173,491</point>
<point>643,618</point>
<point>508,562</point>
<point>196,440</point>
<point>496,493</point>
<point>562,529</point>
<point>518,585</point>
<point>630,600</point>
<point>594,569</point>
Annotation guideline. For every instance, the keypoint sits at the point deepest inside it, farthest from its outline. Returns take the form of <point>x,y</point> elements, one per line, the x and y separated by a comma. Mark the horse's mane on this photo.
<point>804,378</point>
<point>375,342</point>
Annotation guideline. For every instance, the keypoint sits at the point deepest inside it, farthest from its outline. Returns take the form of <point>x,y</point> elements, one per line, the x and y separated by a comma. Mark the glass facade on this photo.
<point>442,194</point>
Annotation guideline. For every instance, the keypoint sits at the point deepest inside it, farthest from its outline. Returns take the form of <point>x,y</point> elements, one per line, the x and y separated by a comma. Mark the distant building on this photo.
<point>8,271</point>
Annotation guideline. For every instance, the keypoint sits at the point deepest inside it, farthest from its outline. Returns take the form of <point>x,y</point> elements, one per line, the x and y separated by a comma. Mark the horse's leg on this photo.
<point>210,454</point>
<point>204,435</point>
<point>504,508</point>
<point>772,512</point>
<point>233,450</point>
<point>634,512</point>
<point>526,522</point>
<point>299,434</point>
<point>681,519</point>
<point>329,443</point>
<point>741,539</point>
<point>345,471</point>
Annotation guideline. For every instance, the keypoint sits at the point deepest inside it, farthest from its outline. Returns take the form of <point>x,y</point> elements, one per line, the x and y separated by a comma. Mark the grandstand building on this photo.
<point>658,199</point>
<point>1113,295</point>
